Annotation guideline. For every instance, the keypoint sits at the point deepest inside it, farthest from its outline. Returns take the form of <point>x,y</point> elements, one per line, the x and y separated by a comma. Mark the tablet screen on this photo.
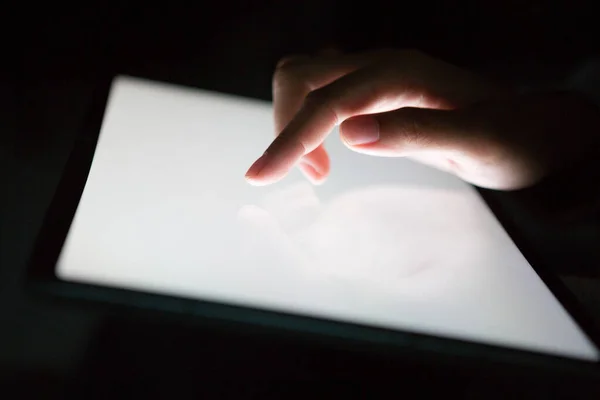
<point>384,242</point>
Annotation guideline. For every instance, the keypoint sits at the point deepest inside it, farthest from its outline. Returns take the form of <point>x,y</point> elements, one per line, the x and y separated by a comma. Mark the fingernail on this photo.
<point>360,130</point>
<point>258,166</point>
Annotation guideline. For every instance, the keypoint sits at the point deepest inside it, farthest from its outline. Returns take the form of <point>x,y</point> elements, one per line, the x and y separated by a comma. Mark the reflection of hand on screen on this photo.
<point>268,228</point>
<point>378,237</point>
<point>264,240</point>
<point>296,206</point>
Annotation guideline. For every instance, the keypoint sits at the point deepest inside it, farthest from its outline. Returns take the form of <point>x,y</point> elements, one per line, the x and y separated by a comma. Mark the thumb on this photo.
<point>406,131</point>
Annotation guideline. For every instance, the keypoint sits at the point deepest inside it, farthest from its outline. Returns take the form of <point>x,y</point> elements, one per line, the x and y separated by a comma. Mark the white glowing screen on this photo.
<point>384,242</point>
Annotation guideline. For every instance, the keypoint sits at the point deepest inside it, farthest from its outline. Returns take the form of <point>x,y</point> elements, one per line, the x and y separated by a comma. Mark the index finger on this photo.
<point>295,77</point>
<point>364,91</point>
<point>307,130</point>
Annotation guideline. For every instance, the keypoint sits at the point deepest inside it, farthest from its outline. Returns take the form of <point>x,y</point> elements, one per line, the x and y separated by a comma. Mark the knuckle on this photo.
<point>286,73</point>
<point>290,71</point>
<point>285,61</point>
<point>291,59</point>
<point>413,129</point>
<point>409,126</point>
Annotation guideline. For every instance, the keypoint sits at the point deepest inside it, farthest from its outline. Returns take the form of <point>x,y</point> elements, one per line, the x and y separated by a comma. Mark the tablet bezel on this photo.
<point>42,279</point>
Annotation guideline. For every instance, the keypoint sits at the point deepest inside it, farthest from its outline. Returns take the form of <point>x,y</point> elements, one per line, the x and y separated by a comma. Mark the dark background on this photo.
<point>51,58</point>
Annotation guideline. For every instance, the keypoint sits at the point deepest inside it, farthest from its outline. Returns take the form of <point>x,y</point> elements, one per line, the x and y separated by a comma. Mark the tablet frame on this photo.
<point>41,280</point>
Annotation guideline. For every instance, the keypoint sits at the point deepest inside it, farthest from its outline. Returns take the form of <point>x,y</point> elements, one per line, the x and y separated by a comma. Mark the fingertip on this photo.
<point>266,175</point>
<point>257,167</point>
<point>315,165</point>
<point>315,177</point>
<point>318,182</point>
<point>254,181</point>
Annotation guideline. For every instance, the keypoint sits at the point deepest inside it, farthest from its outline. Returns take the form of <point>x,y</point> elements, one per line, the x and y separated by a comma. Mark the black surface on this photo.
<point>230,47</point>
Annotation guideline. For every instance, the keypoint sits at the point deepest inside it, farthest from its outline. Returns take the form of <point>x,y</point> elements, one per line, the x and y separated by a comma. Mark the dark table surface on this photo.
<point>232,47</point>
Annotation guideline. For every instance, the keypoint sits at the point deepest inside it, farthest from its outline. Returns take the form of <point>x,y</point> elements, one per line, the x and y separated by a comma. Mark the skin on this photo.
<point>403,103</point>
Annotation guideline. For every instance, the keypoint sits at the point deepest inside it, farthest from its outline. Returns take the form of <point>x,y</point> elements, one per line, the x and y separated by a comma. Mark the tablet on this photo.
<point>154,212</point>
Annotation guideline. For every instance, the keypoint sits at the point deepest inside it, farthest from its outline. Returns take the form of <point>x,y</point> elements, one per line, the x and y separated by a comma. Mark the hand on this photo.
<point>405,103</point>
